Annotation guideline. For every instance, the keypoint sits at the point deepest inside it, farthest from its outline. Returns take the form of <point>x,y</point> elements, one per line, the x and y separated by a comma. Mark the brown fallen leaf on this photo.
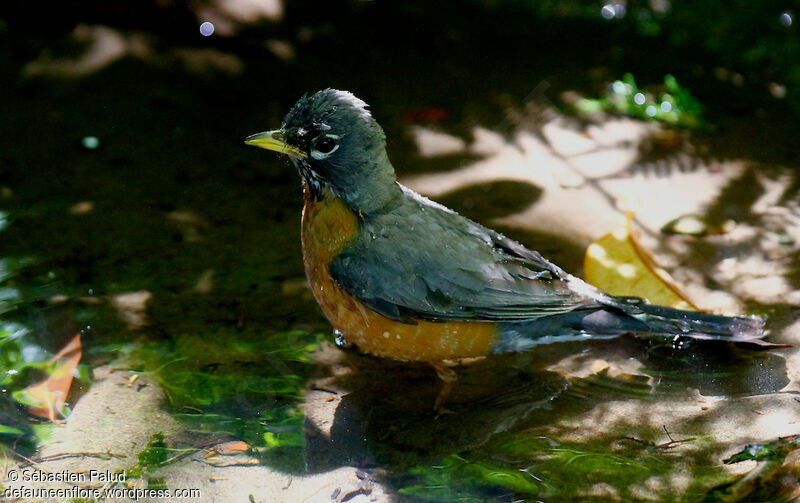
<point>50,394</point>
<point>229,448</point>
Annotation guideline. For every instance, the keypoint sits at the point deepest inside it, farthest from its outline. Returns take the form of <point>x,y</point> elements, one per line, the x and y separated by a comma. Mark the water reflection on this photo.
<point>385,412</point>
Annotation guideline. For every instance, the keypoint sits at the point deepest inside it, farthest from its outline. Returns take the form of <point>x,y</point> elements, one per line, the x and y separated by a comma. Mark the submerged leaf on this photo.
<point>231,447</point>
<point>46,399</point>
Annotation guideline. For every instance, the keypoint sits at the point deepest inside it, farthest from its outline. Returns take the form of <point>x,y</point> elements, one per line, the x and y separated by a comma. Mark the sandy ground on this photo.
<point>583,190</point>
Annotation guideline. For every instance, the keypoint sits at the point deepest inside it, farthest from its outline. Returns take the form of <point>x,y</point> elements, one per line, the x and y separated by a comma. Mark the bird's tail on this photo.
<point>624,316</point>
<point>667,321</point>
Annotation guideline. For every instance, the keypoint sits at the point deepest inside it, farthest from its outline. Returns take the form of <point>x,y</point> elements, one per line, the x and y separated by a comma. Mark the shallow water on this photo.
<point>174,251</point>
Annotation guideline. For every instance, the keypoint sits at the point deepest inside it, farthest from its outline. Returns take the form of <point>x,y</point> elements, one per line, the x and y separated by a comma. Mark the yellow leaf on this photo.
<point>617,264</point>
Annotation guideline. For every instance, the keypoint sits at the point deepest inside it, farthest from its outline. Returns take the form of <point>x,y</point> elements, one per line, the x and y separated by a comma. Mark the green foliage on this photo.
<point>675,105</point>
<point>750,42</point>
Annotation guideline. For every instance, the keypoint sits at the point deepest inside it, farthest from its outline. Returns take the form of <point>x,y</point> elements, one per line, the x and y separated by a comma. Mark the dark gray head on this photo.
<point>336,144</point>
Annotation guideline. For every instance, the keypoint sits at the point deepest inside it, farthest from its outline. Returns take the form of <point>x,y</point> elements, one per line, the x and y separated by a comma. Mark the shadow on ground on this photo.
<point>170,206</point>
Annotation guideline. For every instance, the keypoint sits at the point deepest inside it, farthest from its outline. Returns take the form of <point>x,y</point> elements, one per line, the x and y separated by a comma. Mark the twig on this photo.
<point>666,445</point>
<point>56,457</point>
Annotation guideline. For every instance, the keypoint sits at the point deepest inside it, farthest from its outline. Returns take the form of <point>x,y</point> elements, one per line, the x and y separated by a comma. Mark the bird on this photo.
<point>403,277</point>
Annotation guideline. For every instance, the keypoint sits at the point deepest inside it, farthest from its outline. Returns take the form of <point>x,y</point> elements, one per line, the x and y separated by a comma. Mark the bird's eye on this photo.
<point>324,146</point>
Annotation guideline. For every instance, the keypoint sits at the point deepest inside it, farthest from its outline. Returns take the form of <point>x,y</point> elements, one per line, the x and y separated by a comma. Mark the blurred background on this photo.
<point>133,216</point>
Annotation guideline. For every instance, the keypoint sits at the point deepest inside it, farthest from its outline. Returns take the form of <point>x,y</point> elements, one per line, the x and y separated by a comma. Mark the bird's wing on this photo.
<point>425,262</point>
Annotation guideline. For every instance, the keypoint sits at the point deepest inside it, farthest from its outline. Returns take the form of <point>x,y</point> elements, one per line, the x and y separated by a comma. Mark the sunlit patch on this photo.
<point>104,46</point>
<point>627,271</point>
<point>132,307</point>
<point>602,163</point>
<point>228,16</point>
<point>432,143</point>
<point>206,60</point>
<point>778,422</point>
<point>189,224</point>
<point>565,141</point>
<point>281,49</point>
<point>597,252</point>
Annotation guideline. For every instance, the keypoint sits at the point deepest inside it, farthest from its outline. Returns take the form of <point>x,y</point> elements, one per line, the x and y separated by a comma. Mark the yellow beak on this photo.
<point>274,140</point>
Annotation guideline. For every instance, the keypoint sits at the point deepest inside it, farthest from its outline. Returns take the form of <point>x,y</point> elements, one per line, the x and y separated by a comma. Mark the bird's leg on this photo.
<point>449,378</point>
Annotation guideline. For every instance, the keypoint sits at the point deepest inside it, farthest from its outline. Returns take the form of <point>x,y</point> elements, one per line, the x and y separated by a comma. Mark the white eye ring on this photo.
<point>316,154</point>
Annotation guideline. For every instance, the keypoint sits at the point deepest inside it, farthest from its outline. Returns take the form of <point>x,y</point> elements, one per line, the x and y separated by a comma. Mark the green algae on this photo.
<point>530,467</point>
<point>250,390</point>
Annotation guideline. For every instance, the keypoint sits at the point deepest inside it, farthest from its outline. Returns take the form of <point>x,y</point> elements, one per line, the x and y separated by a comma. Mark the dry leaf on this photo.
<point>617,264</point>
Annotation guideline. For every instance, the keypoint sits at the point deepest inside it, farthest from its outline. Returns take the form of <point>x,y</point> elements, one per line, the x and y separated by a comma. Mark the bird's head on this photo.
<point>337,145</point>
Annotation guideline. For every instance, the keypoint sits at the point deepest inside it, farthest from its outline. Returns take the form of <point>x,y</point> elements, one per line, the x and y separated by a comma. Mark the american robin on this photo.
<point>403,277</point>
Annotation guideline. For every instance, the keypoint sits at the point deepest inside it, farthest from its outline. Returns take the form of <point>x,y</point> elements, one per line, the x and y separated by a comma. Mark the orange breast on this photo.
<point>328,227</point>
